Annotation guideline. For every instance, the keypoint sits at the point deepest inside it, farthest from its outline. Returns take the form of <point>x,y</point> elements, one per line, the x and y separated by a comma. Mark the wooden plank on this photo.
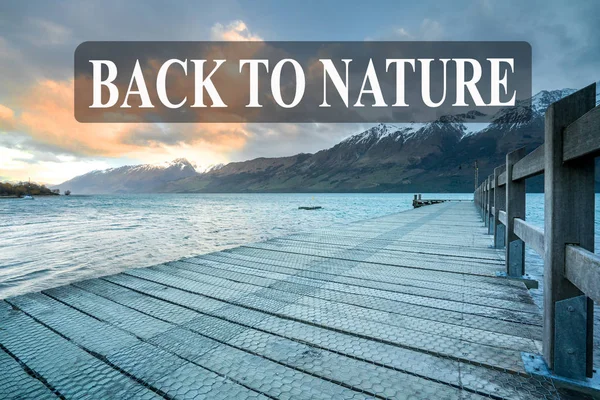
<point>70,370</point>
<point>405,303</point>
<point>268,370</point>
<point>490,214</point>
<point>502,178</point>
<point>530,165</point>
<point>16,383</point>
<point>515,208</point>
<point>154,368</point>
<point>413,362</point>
<point>499,204</point>
<point>502,217</point>
<point>582,268</point>
<point>569,203</point>
<point>582,136</point>
<point>531,235</point>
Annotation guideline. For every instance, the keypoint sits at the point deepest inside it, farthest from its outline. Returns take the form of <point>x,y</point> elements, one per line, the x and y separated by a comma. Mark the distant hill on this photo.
<point>130,178</point>
<point>432,157</point>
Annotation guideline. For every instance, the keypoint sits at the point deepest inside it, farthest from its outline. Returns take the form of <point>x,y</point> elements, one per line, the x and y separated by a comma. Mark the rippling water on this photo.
<point>534,265</point>
<point>51,241</point>
<point>55,240</point>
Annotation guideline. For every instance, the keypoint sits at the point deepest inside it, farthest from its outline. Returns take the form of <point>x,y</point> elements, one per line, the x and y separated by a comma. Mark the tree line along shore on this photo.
<point>26,188</point>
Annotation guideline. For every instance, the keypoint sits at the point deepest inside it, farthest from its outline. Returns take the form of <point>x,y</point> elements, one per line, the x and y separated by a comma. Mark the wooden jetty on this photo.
<point>420,304</point>
<point>418,201</point>
<point>566,243</point>
<point>403,306</point>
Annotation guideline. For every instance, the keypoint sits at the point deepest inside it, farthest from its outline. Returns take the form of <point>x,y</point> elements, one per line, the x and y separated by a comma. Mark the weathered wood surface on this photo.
<point>530,165</point>
<point>403,306</point>
<point>582,137</point>
<point>515,208</point>
<point>569,204</point>
<point>582,268</point>
<point>530,234</point>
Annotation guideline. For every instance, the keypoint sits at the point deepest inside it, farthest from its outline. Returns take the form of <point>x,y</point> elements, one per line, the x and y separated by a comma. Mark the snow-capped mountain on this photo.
<point>436,156</point>
<point>130,178</point>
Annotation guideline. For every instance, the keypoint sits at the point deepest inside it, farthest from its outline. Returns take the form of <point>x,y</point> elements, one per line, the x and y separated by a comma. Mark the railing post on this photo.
<point>480,192</point>
<point>486,208</point>
<point>490,215</point>
<point>499,201</point>
<point>568,219</point>
<point>479,199</point>
<point>515,208</point>
<point>483,202</point>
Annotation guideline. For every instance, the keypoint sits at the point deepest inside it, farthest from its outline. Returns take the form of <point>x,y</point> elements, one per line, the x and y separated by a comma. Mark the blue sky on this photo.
<point>38,38</point>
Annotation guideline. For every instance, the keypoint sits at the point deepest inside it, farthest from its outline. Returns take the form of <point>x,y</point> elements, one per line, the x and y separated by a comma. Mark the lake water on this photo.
<point>51,241</point>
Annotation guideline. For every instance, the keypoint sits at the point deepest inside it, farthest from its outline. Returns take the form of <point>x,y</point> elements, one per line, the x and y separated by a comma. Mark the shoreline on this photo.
<point>37,195</point>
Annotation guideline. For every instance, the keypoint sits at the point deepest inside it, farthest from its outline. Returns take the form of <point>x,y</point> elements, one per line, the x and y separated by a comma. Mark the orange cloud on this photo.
<point>47,116</point>
<point>7,118</point>
<point>44,112</point>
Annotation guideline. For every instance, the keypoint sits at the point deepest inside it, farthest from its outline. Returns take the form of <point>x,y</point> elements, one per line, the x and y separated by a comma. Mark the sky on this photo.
<point>40,139</point>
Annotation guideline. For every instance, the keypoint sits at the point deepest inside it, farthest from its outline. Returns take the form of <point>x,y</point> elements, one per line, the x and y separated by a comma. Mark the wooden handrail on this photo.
<point>530,165</point>
<point>502,179</point>
<point>502,217</point>
<point>571,272</point>
<point>582,137</point>
<point>531,235</point>
<point>582,268</point>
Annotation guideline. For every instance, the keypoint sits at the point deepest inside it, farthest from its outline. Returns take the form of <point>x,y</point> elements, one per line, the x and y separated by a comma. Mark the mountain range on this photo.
<point>432,157</point>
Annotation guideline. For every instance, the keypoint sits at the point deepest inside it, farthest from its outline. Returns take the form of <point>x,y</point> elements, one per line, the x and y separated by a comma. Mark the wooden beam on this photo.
<point>486,202</point>
<point>530,165</point>
<point>531,235</point>
<point>502,217</point>
<point>568,219</point>
<point>502,178</point>
<point>499,204</point>
<point>582,137</point>
<point>582,268</point>
<point>490,214</point>
<point>515,208</point>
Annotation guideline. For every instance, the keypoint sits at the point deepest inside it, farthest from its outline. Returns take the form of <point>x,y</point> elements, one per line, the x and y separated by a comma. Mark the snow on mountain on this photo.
<point>470,123</point>
<point>177,164</point>
<point>180,163</point>
<point>541,101</point>
<point>375,133</point>
<point>386,154</point>
<point>524,112</point>
<point>130,178</point>
<point>210,168</point>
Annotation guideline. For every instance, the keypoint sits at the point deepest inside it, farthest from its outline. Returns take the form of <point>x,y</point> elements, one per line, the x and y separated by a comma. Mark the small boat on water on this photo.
<point>28,197</point>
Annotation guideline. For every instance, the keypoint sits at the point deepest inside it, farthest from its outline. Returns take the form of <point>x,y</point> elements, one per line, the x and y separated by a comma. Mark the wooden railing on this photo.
<point>571,269</point>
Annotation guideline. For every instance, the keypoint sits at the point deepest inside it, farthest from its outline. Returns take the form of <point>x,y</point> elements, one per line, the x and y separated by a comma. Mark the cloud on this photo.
<point>47,121</point>
<point>20,165</point>
<point>428,30</point>
<point>563,38</point>
<point>234,31</point>
<point>40,129</point>
<point>42,32</point>
<point>7,118</point>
